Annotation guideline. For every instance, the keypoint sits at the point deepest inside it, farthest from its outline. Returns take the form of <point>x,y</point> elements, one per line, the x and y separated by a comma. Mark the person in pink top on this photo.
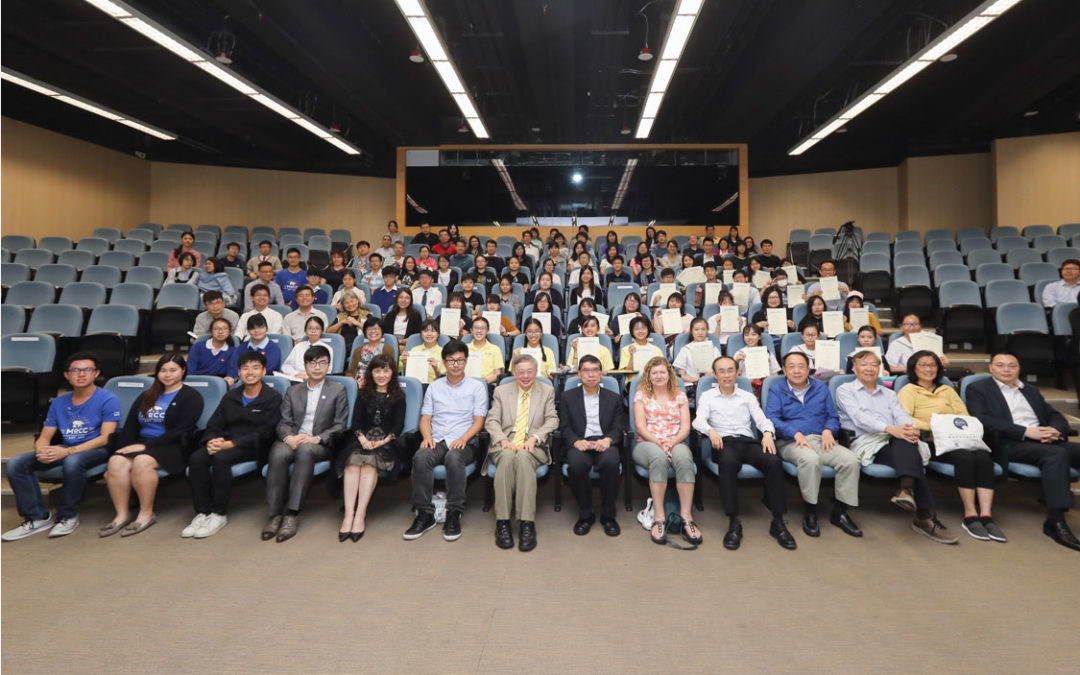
<point>662,423</point>
<point>187,241</point>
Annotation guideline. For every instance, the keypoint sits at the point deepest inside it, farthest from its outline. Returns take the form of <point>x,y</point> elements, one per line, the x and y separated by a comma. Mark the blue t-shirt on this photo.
<point>289,282</point>
<point>152,424</point>
<point>81,423</point>
<point>247,400</point>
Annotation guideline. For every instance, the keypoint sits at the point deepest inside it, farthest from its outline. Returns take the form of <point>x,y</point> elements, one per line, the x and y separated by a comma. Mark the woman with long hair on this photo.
<point>187,243</point>
<point>518,251</point>
<point>671,260</point>
<point>187,272</point>
<point>771,298</point>
<point>409,274</point>
<point>587,288</point>
<point>454,231</point>
<point>377,443</point>
<point>348,287</point>
<point>430,350</point>
<point>631,305</point>
<point>215,278</point>
<point>350,320</point>
<point>293,366</point>
<point>543,304</point>
<point>334,273</point>
<point>611,241</point>
<point>374,346</point>
<point>648,274</point>
<point>534,333</point>
<point>815,308</point>
<point>544,285</point>
<point>474,248</point>
<point>153,437</point>
<point>650,237</point>
<point>549,266</point>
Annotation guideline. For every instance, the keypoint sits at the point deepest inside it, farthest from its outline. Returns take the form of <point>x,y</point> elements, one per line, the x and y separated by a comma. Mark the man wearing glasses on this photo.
<point>452,415</point>
<point>827,269</point>
<point>312,413</point>
<point>1028,430</point>
<point>900,349</point>
<point>74,437</point>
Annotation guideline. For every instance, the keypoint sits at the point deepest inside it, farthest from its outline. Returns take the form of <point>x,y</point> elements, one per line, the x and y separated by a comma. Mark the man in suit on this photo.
<point>592,421</point>
<point>312,414</point>
<point>522,417</point>
<point>1028,430</point>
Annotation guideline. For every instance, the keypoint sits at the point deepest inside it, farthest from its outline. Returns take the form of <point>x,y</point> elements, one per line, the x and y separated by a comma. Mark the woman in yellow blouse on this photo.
<point>430,350</point>
<point>925,395</point>
<point>534,332</point>
<point>590,327</point>
<point>635,355</point>
<point>855,299</point>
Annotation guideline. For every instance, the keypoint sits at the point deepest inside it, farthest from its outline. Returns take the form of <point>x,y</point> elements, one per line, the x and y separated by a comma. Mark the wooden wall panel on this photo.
<point>186,193</point>
<point>58,185</point>
<point>1037,180</point>
<point>869,197</point>
<point>951,191</point>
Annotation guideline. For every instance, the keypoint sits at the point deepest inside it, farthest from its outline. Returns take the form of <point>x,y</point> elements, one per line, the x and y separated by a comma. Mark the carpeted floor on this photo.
<point>891,602</point>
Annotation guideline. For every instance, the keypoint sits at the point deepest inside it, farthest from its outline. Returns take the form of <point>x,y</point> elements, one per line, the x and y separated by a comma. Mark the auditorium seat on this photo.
<point>946,258</point>
<point>913,294</point>
<point>95,245</point>
<point>1047,242</point>
<point>158,259</point>
<point>109,234</point>
<point>1057,256</point>
<point>57,320</point>
<point>34,257</point>
<point>80,260</point>
<point>940,245</point>
<point>12,273</point>
<point>938,234</point>
<point>904,259</point>
<point>13,319</point>
<point>83,294</point>
<point>1022,256</point>
<point>961,312</point>
<point>56,244</point>
<point>907,246</point>
<point>16,242</point>
<point>30,294</point>
<point>982,257</point>
<point>106,275</point>
<point>26,364</point>
<point>139,234</point>
<point>112,334</point>
<point>1033,232</point>
<point>1023,324</point>
<point>56,274</point>
<point>1006,244</point>
<point>988,272</point>
<point>974,244</point>
<point>1003,231</point>
<point>1033,272</point>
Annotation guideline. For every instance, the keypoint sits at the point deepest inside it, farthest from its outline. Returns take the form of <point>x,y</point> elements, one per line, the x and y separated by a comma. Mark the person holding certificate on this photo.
<point>491,355</point>
<point>534,333</point>
<point>631,308</point>
<point>901,349</point>
<point>772,298</point>
<point>671,321</point>
<point>543,306</point>
<point>886,434</point>
<point>815,313</point>
<point>726,322</point>
<point>696,357</point>
<point>455,301</point>
<point>585,309</point>
<point>831,289</point>
<point>504,325</point>
<point>755,361</point>
<point>430,352</point>
<point>853,318</point>
<point>640,351</point>
<point>590,329</point>
<point>924,396</point>
<point>806,423</point>
<point>662,423</point>
<point>809,348</point>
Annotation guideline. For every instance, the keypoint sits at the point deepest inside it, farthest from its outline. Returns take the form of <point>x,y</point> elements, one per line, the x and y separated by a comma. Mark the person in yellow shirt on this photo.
<point>590,327</point>
<point>636,354</point>
<point>493,357</point>
<point>430,349</point>
<point>534,332</point>
<point>507,329</point>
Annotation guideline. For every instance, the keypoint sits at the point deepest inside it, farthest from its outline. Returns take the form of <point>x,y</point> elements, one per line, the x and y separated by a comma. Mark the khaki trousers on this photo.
<point>515,481</point>
<point>809,462</point>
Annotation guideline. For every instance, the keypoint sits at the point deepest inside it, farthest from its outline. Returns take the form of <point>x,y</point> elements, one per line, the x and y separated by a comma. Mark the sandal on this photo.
<point>692,527</point>
<point>661,536</point>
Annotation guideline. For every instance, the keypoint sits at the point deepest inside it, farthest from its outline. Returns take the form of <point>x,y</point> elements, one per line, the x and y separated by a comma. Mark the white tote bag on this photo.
<point>957,432</point>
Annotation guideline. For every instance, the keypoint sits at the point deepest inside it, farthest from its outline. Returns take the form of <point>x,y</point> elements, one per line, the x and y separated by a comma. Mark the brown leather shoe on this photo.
<point>288,528</point>
<point>272,527</point>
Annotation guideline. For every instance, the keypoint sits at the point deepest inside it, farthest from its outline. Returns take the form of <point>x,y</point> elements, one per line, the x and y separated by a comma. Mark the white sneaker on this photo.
<point>196,522</point>
<point>28,528</point>
<point>65,527</point>
<point>213,523</point>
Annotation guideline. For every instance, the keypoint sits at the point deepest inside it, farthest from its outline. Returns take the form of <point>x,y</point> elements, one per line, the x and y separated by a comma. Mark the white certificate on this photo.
<point>777,317</point>
<point>877,352</point>
<point>672,321</point>
<point>494,320</point>
<point>756,362</point>
<point>858,317</point>
<point>830,288</point>
<point>474,367</point>
<point>794,294</point>
<point>712,291</point>
<point>624,323</point>
<point>741,293</point>
<point>586,346</point>
<point>603,319</point>
<point>643,355</point>
<point>729,319</point>
<point>701,354</point>
<point>827,355</point>
<point>664,291</point>
<point>417,366</point>
<point>832,323</point>
<point>762,278</point>
<point>545,320</point>
<point>450,322</point>
<point>928,341</point>
<point>535,352</point>
<point>729,276</point>
<point>792,273</point>
<point>692,275</point>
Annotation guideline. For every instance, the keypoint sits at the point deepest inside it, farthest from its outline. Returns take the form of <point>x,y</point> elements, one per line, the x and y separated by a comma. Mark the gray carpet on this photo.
<point>891,602</point>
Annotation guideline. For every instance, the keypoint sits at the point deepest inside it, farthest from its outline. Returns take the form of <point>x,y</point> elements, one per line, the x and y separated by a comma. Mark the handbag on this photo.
<point>646,515</point>
<point>957,432</point>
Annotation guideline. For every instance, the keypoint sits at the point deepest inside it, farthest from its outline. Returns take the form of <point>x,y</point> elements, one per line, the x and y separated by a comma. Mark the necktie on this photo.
<point>423,301</point>
<point>522,424</point>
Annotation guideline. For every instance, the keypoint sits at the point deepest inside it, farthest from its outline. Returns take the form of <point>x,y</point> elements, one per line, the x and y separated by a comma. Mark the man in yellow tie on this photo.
<point>522,417</point>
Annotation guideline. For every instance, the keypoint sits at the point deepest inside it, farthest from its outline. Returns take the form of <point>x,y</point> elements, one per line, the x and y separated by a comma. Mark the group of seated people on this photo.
<point>800,422</point>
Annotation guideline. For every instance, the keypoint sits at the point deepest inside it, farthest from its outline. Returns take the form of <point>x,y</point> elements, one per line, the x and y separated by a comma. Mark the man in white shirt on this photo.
<point>828,269</point>
<point>260,298</point>
<point>293,324</point>
<point>900,349</point>
<point>1067,288</point>
<point>726,417</point>
<point>266,278</point>
<point>426,295</point>
<point>387,248</point>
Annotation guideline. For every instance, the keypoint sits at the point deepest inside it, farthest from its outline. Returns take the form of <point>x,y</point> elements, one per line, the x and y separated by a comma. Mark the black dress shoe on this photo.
<point>289,525</point>
<point>733,538</point>
<point>583,525</point>
<point>527,536</point>
<point>779,532</point>
<point>343,537</point>
<point>845,523</point>
<point>356,536</point>
<point>810,525</point>
<point>611,528</point>
<point>504,537</point>
<point>1061,533</point>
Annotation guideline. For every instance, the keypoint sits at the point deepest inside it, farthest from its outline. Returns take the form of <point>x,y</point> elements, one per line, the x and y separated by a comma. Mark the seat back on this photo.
<point>988,272</point>
<point>33,257</point>
<point>151,276</point>
<point>95,245</point>
<point>1033,232</point>
<point>911,275</point>
<point>938,258</point>
<point>284,343</point>
<point>278,383</point>
<point>1057,256</point>
<point>970,379</point>
<point>128,389</point>
<point>943,273</point>
<point>959,292</point>
<point>1004,231</point>
<point>152,258</point>
<point>34,351</point>
<point>337,346</point>
<point>30,294</point>
<point>938,234</point>
<point>178,295</point>
<point>1022,256</point>
<point>13,273</point>
<point>736,342</point>
<point>1032,272</point>
<point>114,318</point>
<point>352,390</point>
<point>132,246</point>
<point>1001,291</point>
<point>414,399</point>
<point>974,244</point>
<point>80,260</point>
<point>850,341</point>
<point>1059,318</point>
<point>140,234</point>
<point>121,259</point>
<point>1021,317</point>
<point>1006,244</point>
<point>83,294</point>
<point>65,320</point>
<point>881,247</point>
<point>16,242</point>
<point>56,244</point>
<point>12,318</point>
<point>875,262</point>
<point>907,246</point>
<point>106,275</point>
<point>212,389</point>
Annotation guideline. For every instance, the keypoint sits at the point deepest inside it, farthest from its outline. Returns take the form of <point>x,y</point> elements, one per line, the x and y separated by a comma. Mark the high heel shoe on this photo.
<point>342,536</point>
<point>355,536</point>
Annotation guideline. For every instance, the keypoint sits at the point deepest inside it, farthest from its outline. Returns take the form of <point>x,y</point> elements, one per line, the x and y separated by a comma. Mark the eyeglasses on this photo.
<point>455,362</point>
<point>321,363</point>
<point>909,324</point>
<point>1006,365</point>
<point>81,371</point>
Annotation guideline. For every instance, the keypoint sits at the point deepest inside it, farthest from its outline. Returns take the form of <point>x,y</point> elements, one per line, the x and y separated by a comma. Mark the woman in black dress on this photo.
<point>153,437</point>
<point>376,444</point>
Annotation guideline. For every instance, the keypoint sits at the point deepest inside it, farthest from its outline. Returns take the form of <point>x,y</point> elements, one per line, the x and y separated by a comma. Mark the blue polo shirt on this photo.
<point>289,282</point>
<point>81,423</point>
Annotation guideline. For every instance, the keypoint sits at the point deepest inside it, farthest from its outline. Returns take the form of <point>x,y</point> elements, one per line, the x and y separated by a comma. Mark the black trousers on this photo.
<point>1053,460</point>
<point>739,450</point>
<point>606,463</point>
<point>905,458</point>
<point>210,477</point>
<point>974,468</point>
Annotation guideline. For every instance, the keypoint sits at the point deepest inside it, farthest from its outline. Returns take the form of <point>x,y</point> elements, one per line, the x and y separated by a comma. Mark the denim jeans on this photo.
<point>28,499</point>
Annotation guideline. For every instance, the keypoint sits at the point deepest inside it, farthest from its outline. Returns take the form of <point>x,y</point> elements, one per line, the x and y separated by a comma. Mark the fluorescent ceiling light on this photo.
<point>466,105</point>
<point>428,38</point>
<point>674,42</point>
<point>624,183</point>
<point>677,37</point>
<point>410,7</point>
<point>975,21</point>
<point>478,128</point>
<point>662,76</point>
<point>449,77</point>
<point>689,7</point>
<point>58,94</point>
<point>160,35</point>
<point>652,105</point>
<point>644,127</point>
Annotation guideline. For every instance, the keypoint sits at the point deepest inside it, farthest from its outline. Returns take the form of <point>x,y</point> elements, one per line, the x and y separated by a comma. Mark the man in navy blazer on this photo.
<point>592,420</point>
<point>1028,430</point>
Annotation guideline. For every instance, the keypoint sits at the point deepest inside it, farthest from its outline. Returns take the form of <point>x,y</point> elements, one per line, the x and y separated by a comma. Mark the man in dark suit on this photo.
<point>1028,430</point>
<point>313,412</point>
<point>592,420</point>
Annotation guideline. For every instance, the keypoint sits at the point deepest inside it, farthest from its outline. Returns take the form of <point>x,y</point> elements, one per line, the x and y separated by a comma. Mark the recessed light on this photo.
<point>947,57</point>
<point>415,56</point>
<point>841,130</point>
<point>1031,113</point>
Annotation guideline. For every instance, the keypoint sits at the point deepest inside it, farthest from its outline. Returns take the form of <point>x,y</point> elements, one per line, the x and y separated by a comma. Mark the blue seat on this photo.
<point>1006,244</point>
<point>1001,291</point>
<point>1032,471</point>
<point>178,227</point>
<point>132,246</point>
<point>152,258</point>
<point>13,319</point>
<point>212,389</point>
<point>1003,231</point>
<point>138,295</point>
<point>170,236</point>
<point>962,312</point>
<point>106,275</point>
<point>946,469</point>
<point>109,234</point>
<point>15,242</point>
<point>939,234</point>
<point>12,273</point>
<point>284,343</point>
<point>120,259</point>
<point>342,236</point>
<point>178,295</point>
<point>283,310</point>
<point>1032,272</point>
<point>279,384</point>
<point>877,237</point>
<point>1019,257</point>
<point>1021,317</point>
<point>83,293</point>
<point>1033,232</point>
<point>982,257</point>
<point>56,244</point>
<point>95,245</point>
<point>34,257</point>
<point>58,320</point>
<point>907,246</point>
<point>165,246</point>
<point>57,275</point>
<point>875,262</point>
<point>156,228</point>
<point>1057,256</point>
<point>149,275</point>
<point>876,248</point>
<point>30,294</point>
<point>140,234</point>
<point>907,235</point>
<point>913,294</point>
<point>943,273</point>
<point>939,258</point>
<point>1069,230</point>
<point>119,319</point>
<point>1059,318</point>
<point>337,346</point>
<point>24,359</point>
<point>974,244</point>
<point>988,272</point>
<point>940,246</point>
<point>80,260</point>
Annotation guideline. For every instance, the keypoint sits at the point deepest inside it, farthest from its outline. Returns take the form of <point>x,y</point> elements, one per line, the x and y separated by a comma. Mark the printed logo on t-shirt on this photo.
<point>77,432</point>
<point>291,286</point>
<point>156,414</point>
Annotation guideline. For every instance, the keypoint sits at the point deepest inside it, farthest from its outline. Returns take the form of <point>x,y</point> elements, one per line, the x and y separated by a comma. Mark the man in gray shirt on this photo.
<point>294,321</point>
<point>266,278</point>
<point>214,303</point>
